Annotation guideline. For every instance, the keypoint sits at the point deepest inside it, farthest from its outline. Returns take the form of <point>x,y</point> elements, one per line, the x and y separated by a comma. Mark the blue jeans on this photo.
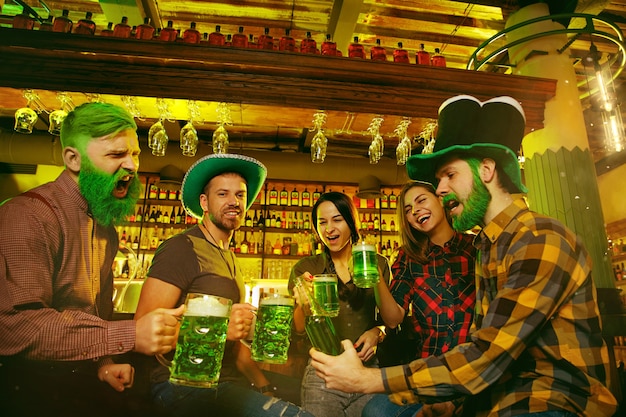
<point>550,414</point>
<point>381,406</point>
<point>323,402</point>
<point>227,400</point>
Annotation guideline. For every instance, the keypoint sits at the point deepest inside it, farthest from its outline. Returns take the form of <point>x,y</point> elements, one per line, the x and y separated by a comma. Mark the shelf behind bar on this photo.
<point>69,62</point>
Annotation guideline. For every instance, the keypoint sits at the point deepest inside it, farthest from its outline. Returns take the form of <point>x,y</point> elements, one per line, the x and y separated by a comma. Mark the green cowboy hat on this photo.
<point>490,129</point>
<point>201,172</point>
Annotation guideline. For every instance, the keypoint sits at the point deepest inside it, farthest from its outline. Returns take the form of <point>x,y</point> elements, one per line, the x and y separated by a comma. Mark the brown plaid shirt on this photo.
<point>56,280</point>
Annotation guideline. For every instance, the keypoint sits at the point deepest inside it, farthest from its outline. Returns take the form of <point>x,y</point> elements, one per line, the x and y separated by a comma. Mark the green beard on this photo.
<point>97,188</point>
<point>474,207</point>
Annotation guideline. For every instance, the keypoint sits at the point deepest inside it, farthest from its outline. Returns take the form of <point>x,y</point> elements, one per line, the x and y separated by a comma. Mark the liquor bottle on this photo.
<point>300,221</point>
<point>384,200</point>
<point>284,197</point>
<point>139,215</point>
<point>401,55</point>
<point>85,26</point>
<point>217,38</point>
<point>392,226</point>
<point>255,219</point>
<point>145,30</point>
<point>240,40</point>
<point>251,43</point>
<point>376,223</point>
<point>108,32</point>
<point>295,198</point>
<point>122,29</point>
<point>62,23</point>
<point>191,34</point>
<point>162,194</point>
<point>329,48</point>
<point>165,217</point>
<point>46,25</point>
<point>306,198</point>
<point>438,59</point>
<point>168,33</point>
<point>229,40</point>
<point>179,216</point>
<point>172,195</point>
<point>135,244</point>
<point>422,57</point>
<point>383,226</point>
<point>393,200</point>
<point>154,238</point>
<point>363,222</point>
<point>153,193</point>
<point>316,195</point>
<point>307,222</point>
<point>173,216</point>
<point>248,221</point>
<point>153,216</point>
<point>308,45</point>
<point>261,221</point>
<point>287,43</point>
<point>370,223</point>
<point>283,220</point>
<point>123,238</point>
<point>23,21</point>
<point>266,41</point>
<point>244,247</point>
<point>356,50</point>
<point>378,53</point>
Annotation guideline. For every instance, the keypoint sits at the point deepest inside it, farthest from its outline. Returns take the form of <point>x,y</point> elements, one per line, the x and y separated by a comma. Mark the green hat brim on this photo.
<point>422,167</point>
<point>201,172</point>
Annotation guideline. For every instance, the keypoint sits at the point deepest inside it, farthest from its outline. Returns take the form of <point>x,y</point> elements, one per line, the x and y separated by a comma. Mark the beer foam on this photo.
<point>206,306</point>
<point>278,301</point>
<point>325,278</point>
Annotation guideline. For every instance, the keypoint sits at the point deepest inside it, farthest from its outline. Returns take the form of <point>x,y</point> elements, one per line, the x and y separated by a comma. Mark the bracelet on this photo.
<point>264,388</point>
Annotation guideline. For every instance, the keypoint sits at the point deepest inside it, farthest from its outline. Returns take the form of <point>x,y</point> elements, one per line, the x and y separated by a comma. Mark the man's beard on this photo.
<point>97,187</point>
<point>226,225</point>
<point>474,207</point>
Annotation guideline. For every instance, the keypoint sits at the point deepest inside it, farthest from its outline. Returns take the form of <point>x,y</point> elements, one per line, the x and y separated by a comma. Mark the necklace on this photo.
<point>207,233</point>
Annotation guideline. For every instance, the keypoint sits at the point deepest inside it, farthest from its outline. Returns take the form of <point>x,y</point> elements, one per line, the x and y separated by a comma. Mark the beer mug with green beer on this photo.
<point>201,339</point>
<point>272,330</point>
<point>365,265</point>
<point>325,293</point>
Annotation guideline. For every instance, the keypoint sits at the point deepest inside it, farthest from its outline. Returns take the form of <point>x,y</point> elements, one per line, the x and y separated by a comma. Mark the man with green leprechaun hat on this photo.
<point>537,346</point>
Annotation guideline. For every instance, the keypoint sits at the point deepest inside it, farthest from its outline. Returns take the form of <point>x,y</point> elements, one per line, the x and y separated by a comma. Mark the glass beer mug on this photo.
<point>272,330</point>
<point>365,265</point>
<point>201,340</point>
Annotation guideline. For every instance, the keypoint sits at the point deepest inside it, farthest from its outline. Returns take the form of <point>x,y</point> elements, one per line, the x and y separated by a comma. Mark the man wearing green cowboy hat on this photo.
<point>537,346</point>
<point>217,189</point>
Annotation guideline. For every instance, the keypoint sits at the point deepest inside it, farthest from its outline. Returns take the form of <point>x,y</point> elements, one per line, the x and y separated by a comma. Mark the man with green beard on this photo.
<point>537,346</point>
<point>57,247</point>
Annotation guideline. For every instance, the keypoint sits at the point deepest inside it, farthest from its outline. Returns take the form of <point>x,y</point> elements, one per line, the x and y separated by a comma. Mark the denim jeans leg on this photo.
<point>381,406</point>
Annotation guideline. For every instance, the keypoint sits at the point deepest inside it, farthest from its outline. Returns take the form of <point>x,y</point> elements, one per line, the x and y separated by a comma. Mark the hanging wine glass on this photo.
<point>25,117</point>
<point>318,147</point>
<point>154,129</point>
<point>220,140</point>
<point>189,139</point>
<point>402,153</point>
<point>160,140</point>
<point>56,117</point>
<point>374,152</point>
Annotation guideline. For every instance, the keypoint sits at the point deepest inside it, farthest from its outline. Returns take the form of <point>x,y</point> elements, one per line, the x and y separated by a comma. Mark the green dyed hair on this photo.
<point>94,120</point>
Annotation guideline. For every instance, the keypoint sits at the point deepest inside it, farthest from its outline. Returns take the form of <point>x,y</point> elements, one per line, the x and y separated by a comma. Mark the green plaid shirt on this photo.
<point>537,344</point>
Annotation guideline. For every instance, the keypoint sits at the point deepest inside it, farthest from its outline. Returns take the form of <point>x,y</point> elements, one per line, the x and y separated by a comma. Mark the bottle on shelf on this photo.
<point>229,40</point>
<point>287,43</point>
<point>217,38</point>
<point>307,223</point>
<point>421,56</point>
<point>393,200</point>
<point>46,25</point>
<point>308,45</point>
<point>244,247</point>
<point>85,26</point>
<point>283,197</point>
<point>191,34</point>
<point>384,200</point>
<point>370,223</point>
<point>145,30</point>
<point>306,198</point>
<point>316,195</point>
<point>378,53</point>
<point>162,194</point>
<point>438,59</point>
<point>251,43</point>
<point>248,221</point>
<point>122,29</point>
<point>135,244</point>
<point>240,40</point>
<point>356,50</point>
<point>62,23</point>
<point>168,33</point>
<point>266,41</point>
<point>139,215</point>
<point>23,21</point>
<point>329,48</point>
<point>376,222</point>
<point>392,226</point>
<point>166,217</point>
<point>294,198</point>
<point>108,32</point>
<point>401,55</point>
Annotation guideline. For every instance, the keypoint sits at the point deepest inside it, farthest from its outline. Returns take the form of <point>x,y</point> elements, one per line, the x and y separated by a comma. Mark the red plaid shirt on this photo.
<point>441,293</point>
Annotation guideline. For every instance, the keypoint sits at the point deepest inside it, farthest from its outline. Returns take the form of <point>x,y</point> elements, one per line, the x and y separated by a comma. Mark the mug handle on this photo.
<point>248,342</point>
<point>162,360</point>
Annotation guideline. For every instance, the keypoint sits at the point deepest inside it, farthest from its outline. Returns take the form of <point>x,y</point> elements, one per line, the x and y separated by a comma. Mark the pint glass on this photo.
<point>365,265</point>
<point>325,293</point>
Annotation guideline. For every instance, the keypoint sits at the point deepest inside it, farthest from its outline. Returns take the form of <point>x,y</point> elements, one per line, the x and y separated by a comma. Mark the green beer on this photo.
<point>201,340</point>
<point>325,293</point>
<point>365,265</point>
<point>273,329</point>
<point>322,335</point>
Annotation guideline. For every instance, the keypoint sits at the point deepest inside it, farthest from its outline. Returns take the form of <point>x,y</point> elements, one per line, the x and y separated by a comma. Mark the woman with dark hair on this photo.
<point>335,222</point>
<point>433,275</point>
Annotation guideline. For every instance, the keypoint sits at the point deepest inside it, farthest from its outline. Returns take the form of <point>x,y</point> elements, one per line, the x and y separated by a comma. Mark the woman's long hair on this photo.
<point>413,242</point>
